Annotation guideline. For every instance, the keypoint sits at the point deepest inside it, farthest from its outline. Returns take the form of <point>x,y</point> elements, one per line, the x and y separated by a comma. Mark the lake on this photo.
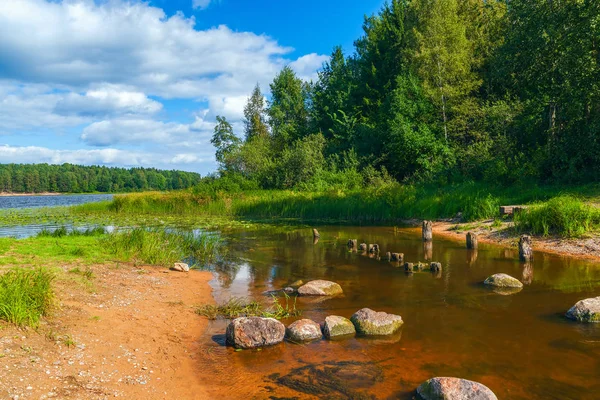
<point>51,201</point>
<point>519,345</point>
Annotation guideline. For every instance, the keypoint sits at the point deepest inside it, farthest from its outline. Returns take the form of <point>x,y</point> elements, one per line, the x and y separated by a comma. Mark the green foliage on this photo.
<point>26,295</point>
<point>68,178</point>
<point>562,215</point>
<point>63,231</point>
<point>225,142</point>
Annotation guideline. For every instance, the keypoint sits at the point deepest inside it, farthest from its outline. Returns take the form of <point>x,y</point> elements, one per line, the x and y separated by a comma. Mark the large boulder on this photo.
<point>338,326</point>
<point>587,310</point>
<point>503,281</point>
<point>454,389</point>
<point>320,288</point>
<point>303,330</point>
<point>251,332</point>
<point>369,322</point>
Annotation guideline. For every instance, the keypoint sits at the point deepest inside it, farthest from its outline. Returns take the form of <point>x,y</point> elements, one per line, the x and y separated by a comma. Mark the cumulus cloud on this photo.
<point>36,154</point>
<point>108,66</point>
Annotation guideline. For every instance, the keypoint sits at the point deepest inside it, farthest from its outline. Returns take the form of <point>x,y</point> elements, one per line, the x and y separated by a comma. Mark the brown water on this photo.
<point>519,345</point>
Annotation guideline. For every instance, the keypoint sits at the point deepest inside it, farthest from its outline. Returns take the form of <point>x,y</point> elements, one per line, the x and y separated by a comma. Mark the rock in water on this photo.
<point>369,322</point>
<point>525,248</point>
<point>320,288</point>
<point>503,281</point>
<point>427,231</point>
<point>316,234</point>
<point>181,267</point>
<point>303,330</point>
<point>454,389</point>
<point>435,267</point>
<point>337,326</point>
<point>251,332</point>
<point>587,310</point>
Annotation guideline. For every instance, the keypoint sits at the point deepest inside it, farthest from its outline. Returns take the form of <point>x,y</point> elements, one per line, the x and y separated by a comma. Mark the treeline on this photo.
<point>68,178</point>
<point>435,91</point>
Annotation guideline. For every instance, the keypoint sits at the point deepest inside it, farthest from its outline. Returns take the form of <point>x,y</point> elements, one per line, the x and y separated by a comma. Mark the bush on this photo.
<point>563,215</point>
<point>25,295</point>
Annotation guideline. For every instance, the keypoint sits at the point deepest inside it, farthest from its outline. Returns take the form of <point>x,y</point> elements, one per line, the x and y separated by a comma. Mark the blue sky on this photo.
<point>129,83</point>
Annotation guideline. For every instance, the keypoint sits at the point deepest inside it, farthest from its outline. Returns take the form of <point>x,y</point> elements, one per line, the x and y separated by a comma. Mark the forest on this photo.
<point>436,91</point>
<point>68,178</point>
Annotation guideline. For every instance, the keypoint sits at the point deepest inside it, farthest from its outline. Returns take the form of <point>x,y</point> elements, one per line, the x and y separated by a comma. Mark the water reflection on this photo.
<point>450,317</point>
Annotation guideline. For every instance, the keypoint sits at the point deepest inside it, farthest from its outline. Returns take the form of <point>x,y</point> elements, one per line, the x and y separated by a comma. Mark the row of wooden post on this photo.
<point>525,245</point>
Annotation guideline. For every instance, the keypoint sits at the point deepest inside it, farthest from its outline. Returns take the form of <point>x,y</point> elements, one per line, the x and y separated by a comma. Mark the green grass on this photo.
<point>239,307</point>
<point>26,295</point>
<point>564,215</point>
<point>389,204</point>
<point>63,231</point>
<point>163,247</point>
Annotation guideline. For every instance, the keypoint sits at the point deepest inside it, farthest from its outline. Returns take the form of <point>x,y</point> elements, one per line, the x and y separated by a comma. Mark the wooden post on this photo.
<point>427,231</point>
<point>525,250</point>
<point>435,267</point>
<point>471,241</point>
<point>362,247</point>
<point>375,249</point>
<point>316,234</point>
<point>352,244</point>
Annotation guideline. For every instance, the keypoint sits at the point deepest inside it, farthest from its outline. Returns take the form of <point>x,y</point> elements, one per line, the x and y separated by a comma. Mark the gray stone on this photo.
<point>251,332</point>
<point>427,231</point>
<point>320,288</point>
<point>369,322</point>
<point>454,389</point>
<point>352,244</point>
<point>525,248</point>
<point>303,330</point>
<point>408,267</point>
<point>503,281</point>
<point>587,310</point>
<point>181,267</point>
<point>338,326</point>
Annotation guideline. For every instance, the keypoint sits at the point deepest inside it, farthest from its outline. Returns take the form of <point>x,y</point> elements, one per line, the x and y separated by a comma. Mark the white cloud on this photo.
<point>110,65</point>
<point>201,4</point>
<point>36,154</point>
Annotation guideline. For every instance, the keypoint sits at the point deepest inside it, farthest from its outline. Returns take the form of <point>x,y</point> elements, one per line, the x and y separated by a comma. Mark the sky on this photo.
<point>130,83</point>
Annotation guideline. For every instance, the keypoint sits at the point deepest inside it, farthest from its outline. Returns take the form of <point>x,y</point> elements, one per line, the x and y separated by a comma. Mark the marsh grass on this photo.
<point>239,307</point>
<point>63,231</point>
<point>563,215</point>
<point>164,247</point>
<point>390,204</point>
<point>26,295</point>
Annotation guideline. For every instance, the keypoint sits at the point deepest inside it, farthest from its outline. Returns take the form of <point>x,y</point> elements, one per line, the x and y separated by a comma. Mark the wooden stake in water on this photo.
<point>471,241</point>
<point>427,231</point>
<point>525,250</point>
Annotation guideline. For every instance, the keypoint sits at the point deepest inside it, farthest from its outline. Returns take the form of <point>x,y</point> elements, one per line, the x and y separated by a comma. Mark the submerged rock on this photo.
<point>181,267</point>
<point>303,330</point>
<point>454,388</point>
<point>503,281</point>
<point>251,332</point>
<point>337,326</point>
<point>435,267</point>
<point>320,288</point>
<point>369,322</point>
<point>587,310</point>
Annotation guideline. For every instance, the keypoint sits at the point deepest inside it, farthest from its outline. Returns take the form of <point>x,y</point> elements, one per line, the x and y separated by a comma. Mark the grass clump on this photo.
<point>564,215</point>
<point>163,247</point>
<point>26,295</point>
<point>238,307</point>
<point>62,231</point>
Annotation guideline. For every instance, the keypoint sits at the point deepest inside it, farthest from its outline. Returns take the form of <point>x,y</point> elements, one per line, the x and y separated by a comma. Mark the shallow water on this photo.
<point>50,201</point>
<point>519,345</point>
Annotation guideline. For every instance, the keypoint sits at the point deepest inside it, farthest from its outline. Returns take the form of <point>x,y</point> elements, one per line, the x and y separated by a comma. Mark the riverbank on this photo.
<point>133,334</point>
<point>504,234</point>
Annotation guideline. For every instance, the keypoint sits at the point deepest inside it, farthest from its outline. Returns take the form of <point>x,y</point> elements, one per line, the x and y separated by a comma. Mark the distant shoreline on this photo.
<point>7,194</point>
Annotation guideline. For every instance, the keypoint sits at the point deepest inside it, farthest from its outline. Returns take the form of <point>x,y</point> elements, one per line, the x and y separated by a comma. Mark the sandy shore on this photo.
<point>583,248</point>
<point>133,334</point>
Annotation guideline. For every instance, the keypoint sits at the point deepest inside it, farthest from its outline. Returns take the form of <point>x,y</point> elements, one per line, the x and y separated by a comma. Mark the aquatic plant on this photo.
<point>240,307</point>
<point>26,295</point>
<point>163,247</point>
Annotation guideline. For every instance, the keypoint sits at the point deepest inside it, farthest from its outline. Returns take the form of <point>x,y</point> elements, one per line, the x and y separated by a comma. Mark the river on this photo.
<point>519,345</point>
